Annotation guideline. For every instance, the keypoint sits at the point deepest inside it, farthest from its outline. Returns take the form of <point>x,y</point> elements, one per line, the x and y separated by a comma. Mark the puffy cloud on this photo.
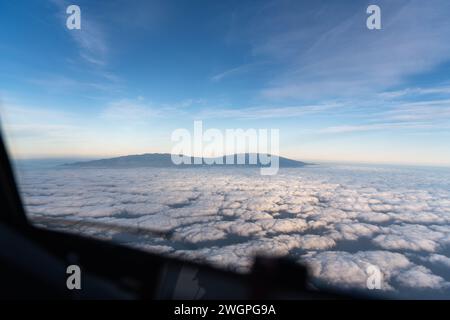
<point>421,277</point>
<point>405,242</point>
<point>350,270</point>
<point>439,259</point>
<point>239,256</point>
<point>353,231</point>
<point>194,234</point>
<point>412,237</point>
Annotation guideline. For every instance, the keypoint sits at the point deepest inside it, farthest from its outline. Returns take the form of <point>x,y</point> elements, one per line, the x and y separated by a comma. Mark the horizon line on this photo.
<point>314,160</point>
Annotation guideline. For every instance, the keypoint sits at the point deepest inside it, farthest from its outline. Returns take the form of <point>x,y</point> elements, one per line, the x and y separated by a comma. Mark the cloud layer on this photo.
<point>337,220</point>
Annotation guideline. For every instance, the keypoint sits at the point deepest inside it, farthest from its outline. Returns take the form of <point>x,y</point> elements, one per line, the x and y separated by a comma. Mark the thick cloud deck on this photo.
<point>337,220</point>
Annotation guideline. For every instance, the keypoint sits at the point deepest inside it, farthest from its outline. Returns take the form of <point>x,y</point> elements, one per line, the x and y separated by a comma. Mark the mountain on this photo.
<point>163,160</point>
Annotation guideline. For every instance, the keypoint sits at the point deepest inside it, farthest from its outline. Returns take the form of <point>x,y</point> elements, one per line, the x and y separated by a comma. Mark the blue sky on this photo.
<point>137,70</point>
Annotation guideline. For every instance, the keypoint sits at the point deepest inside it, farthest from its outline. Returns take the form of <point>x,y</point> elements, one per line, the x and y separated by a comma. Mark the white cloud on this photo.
<point>349,270</point>
<point>412,237</point>
<point>421,277</point>
<point>439,259</point>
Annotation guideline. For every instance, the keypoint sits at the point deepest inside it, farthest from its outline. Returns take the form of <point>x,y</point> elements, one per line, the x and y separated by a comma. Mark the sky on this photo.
<point>138,70</point>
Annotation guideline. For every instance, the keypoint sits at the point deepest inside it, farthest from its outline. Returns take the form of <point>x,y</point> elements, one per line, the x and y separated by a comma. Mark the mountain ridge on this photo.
<point>163,160</point>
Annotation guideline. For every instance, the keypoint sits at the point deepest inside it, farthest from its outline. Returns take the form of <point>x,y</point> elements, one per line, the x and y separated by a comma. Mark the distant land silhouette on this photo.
<point>163,160</point>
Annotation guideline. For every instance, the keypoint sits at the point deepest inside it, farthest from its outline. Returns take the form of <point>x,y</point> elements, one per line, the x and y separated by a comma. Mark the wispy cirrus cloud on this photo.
<point>400,115</point>
<point>60,83</point>
<point>374,127</point>
<point>126,110</point>
<point>438,110</point>
<point>415,92</point>
<point>231,72</point>
<point>140,109</point>
<point>90,39</point>
<point>325,50</point>
<point>267,112</point>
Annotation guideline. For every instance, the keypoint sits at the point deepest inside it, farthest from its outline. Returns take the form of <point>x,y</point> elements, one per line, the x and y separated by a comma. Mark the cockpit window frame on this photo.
<point>12,211</point>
